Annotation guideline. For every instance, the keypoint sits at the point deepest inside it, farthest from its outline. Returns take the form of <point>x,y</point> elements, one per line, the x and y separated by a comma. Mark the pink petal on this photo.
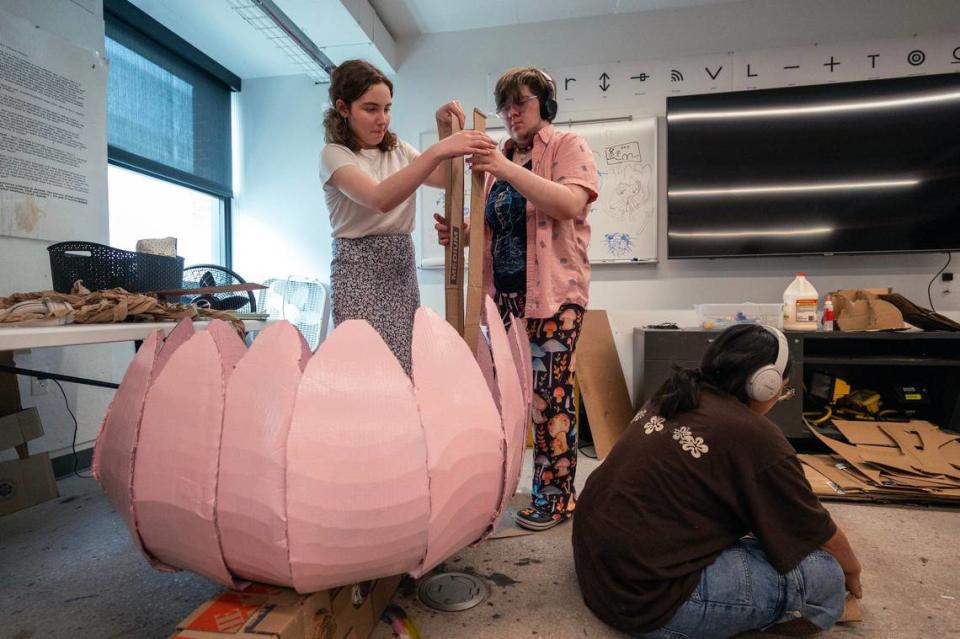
<point>485,362</point>
<point>514,412</point>
<point>251,494</point>
<point>231,347</point>
<point>358,501</point>
<point>113,456</point>
<point>182,332</point>
<point>463,437</point>
<point>175,478</point>
<point>520,348</point>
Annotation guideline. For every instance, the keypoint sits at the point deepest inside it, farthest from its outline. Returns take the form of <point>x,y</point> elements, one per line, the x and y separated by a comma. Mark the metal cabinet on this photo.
<point>880,360</point>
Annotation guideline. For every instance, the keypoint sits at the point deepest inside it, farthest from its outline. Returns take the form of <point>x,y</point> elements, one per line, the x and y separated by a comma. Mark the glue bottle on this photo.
<point>827,314</point>
<point>800,305</point>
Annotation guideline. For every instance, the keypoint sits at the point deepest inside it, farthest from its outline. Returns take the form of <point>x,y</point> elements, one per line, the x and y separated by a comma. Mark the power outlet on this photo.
<point>39,386</point>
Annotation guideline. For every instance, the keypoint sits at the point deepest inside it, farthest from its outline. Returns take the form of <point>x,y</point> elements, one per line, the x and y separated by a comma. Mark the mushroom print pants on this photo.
<point>553,342</point>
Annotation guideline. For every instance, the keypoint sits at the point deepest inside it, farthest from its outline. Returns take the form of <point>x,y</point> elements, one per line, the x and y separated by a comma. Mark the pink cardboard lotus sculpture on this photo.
<point>276,465</point>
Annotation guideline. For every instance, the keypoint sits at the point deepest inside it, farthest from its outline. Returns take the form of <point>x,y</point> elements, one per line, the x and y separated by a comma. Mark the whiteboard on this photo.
<point>623,219</point>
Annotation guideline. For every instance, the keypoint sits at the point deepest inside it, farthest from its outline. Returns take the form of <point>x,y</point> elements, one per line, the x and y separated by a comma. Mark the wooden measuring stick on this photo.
<point>477,229</point>
<point>453,258</point>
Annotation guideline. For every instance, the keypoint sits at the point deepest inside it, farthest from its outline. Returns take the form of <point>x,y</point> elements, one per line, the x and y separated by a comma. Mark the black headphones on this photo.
<point>548,100</point>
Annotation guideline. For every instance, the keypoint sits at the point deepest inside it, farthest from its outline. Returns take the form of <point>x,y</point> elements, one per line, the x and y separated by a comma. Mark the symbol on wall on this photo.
<point>873,60</point>
<point>713,75</point>
<point>643,77</point>
<point>675,76</point>
<point>956,56</point>
<point>831,64</point>
<point>750,74</point>
<point>791,67</point>
<point>916,57</point>
<point>604,85</point>
<point>567,81</point>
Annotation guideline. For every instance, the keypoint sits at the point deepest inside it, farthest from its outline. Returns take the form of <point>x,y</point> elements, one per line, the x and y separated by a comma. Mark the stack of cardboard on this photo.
<point>27,480</point>
<point>887,461</point>
<point>268,612</point>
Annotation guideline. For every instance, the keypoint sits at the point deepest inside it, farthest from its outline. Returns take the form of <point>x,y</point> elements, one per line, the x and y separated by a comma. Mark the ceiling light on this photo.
<point>269,20</point>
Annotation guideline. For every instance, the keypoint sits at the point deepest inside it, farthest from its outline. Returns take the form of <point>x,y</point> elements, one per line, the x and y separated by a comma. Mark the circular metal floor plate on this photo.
<point>452,591</point>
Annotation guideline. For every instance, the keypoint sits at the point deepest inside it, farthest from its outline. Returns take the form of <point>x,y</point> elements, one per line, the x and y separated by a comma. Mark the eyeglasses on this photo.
<point>506,107</point>
<point>788,392</point>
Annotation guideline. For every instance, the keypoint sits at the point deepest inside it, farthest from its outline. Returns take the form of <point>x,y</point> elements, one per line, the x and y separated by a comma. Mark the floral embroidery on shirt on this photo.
<point>655,423</point>
<point>640,414</point>
<point>695,445</point>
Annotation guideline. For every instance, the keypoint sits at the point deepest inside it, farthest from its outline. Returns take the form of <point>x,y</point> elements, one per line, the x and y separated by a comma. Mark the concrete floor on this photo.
<point>68,569</point>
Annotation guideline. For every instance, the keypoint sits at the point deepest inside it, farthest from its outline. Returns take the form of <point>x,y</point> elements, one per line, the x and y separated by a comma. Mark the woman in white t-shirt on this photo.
<point>370,178</point>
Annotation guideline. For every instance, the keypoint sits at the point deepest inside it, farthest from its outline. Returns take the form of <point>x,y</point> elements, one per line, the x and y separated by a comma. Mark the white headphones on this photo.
<point>765,384</point>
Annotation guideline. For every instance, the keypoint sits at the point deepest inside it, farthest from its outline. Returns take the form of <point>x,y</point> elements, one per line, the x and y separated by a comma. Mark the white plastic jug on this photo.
<point>800,305</point>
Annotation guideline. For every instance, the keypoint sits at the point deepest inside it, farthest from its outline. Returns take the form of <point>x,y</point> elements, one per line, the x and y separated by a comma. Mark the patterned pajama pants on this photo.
<point>553,342</point>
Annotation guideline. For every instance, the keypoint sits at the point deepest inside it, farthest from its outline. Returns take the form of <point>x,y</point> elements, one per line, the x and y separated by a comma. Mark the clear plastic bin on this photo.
<point>720,316</point>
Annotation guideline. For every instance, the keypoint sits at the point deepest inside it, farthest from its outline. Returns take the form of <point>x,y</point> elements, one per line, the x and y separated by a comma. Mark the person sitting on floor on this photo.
<point>700,522</point>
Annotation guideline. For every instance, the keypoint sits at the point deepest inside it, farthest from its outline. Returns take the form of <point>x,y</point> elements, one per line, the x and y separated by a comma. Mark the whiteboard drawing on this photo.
<point>618,244</point>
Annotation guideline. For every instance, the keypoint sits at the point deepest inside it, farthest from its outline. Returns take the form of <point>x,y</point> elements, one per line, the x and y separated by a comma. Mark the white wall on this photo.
<point>25,266</point>
<point>281,203</point>
<point>280,221</point>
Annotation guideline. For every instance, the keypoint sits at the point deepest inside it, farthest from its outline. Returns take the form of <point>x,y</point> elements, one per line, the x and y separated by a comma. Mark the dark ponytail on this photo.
<point>680,393</point>
<point>730,360</point>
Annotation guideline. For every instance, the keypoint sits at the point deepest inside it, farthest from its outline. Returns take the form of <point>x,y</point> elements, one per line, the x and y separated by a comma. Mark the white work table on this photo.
<point>24,337</point>
<point>18,338</point>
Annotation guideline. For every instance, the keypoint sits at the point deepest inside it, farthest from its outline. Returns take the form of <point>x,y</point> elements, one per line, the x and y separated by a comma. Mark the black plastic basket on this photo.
<point>101,267</point>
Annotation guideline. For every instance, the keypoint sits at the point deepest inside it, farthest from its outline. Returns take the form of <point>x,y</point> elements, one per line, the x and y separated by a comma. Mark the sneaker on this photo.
<point>535,519</point>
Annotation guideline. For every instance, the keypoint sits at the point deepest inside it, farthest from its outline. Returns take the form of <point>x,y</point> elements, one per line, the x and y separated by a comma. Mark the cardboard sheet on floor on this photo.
<point>903,460</point>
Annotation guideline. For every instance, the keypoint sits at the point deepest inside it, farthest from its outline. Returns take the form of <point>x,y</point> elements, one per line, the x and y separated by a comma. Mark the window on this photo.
<point>142,206</point>
<point>169,137</point>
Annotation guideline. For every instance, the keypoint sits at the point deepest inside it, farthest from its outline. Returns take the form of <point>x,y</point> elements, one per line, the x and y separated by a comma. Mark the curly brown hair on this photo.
<point>348,82</point>
<point>509,84</point>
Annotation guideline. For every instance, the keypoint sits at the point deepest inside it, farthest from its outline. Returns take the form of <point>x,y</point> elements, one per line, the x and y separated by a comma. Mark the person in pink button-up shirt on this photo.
<point>539,188</point>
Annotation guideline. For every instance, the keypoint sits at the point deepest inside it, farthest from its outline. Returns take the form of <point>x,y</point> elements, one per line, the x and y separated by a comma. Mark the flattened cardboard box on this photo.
<point>19,428</point>
<point>262,612</point>
<point>26,482</point>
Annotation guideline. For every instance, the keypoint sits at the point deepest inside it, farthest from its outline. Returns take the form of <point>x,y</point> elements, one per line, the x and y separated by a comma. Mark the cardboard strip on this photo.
<point>453,260</point>
<point>477,232</point>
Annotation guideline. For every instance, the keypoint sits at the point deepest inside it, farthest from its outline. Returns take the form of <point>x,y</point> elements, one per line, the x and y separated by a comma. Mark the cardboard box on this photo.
<point>26,482</point>
<point>262,612</point>
<point>9,389</point>
<point>19,428</point>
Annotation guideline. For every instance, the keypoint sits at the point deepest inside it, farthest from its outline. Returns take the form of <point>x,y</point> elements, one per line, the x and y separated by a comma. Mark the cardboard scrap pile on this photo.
<point>887,461</point>
<point>261,611</point>
<point>864,310</point>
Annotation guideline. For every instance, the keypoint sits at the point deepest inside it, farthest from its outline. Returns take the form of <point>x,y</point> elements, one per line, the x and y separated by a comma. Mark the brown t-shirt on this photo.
<point>673,495</point>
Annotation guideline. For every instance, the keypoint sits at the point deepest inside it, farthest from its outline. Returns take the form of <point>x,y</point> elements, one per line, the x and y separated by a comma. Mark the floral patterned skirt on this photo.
<point>374,278</point>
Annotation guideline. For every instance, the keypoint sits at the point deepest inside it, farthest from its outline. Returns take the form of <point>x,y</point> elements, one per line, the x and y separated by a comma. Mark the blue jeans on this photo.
<point>741,591</point>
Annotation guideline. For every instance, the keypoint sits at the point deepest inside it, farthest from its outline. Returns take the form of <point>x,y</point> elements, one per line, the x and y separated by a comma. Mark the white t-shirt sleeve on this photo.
<point>334,156</point>
<point>409,152</point>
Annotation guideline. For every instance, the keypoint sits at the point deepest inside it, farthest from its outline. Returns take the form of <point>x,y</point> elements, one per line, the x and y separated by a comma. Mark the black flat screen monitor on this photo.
<point>855,167</point>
